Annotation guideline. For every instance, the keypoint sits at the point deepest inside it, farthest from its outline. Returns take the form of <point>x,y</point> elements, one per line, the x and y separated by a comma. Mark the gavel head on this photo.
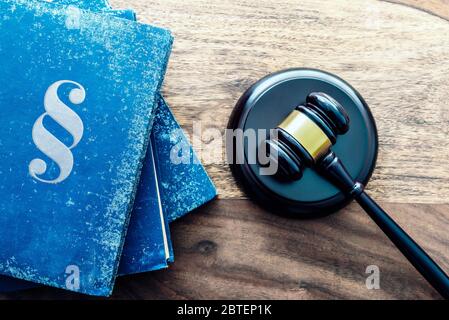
<point>307,134</point>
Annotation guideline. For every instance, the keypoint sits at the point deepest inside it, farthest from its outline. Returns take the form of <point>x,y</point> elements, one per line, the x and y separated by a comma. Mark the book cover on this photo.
<point>147,245</point>
<point>183,187</point>
<point>76,98</point>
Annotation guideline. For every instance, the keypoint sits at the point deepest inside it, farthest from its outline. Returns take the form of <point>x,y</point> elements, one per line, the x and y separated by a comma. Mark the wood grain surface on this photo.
<point>232,249</point>
<point>395,54</point>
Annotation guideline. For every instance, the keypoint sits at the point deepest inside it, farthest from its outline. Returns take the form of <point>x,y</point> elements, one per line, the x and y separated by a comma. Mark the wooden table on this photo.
<point>396,54</point>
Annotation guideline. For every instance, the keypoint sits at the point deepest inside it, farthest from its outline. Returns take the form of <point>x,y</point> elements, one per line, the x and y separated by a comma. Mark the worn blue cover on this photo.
<point>183,187</point>
<point>72,149</point>
<point>146,245</point>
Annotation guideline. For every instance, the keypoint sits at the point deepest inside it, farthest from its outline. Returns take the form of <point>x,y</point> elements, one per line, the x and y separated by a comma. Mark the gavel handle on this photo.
<point>333,169</point>
<point>409,248</point>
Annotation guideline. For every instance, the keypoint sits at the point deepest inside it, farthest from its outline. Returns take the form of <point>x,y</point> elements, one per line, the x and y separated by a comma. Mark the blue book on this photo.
<point>182,187</point>
<point>147,245</point>
<point>76,94</point>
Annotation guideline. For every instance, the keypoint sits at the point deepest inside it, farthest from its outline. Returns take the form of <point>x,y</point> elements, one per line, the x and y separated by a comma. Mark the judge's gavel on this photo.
<point>305,139</point>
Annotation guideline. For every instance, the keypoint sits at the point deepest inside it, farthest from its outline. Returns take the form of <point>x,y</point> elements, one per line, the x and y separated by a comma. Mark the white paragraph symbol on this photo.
<point>47,142</point>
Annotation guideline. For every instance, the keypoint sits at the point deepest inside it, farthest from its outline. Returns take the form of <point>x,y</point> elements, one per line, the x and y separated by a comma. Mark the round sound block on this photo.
<point>264,105</point>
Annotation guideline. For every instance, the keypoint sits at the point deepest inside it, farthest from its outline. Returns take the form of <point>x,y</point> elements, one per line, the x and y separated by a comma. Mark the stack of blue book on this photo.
<point>88,179</point>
